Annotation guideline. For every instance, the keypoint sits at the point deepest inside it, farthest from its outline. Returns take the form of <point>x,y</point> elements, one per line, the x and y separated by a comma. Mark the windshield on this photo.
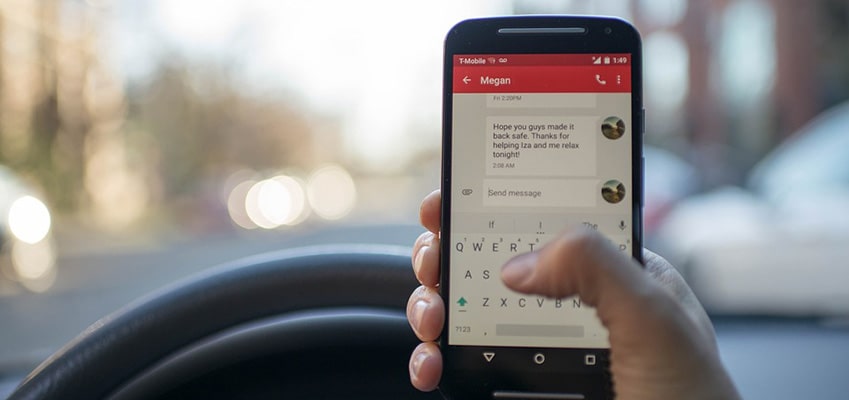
<point>142,141</point>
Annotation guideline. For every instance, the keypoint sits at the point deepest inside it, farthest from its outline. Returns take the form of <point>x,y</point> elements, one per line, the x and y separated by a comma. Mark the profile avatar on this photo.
<point>613,128</point>
<point>613,191</point>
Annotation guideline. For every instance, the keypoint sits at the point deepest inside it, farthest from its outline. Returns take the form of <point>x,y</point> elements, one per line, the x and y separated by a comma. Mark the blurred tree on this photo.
<point>69,125</point>
<point>48,54</point>
<point>202,122</point>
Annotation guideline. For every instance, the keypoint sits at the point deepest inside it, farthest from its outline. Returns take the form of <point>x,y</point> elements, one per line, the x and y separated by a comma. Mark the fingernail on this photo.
<point>517,270</point>
<point>417,312</point>
<point>416,363</point>
<point>417,263</point>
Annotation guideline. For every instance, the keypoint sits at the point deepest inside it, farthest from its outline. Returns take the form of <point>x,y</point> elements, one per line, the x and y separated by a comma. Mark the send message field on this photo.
<point>540,192</point>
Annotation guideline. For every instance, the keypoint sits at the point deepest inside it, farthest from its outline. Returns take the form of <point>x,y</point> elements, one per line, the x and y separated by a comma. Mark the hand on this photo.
<point>662,343</point>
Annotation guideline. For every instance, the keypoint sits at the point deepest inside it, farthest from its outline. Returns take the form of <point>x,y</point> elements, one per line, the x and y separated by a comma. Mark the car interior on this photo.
<point>251,329</point>
<point>212,199</point>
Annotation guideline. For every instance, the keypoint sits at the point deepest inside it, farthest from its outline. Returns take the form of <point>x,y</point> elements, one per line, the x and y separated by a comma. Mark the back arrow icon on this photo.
<point>466,79</point>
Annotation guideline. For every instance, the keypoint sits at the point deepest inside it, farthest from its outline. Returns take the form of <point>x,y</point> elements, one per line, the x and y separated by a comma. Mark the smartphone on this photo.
<point>542,130</point>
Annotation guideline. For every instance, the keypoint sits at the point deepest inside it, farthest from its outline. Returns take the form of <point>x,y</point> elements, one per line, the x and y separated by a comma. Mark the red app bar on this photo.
<point>494,60</point>
<point>542,79</point>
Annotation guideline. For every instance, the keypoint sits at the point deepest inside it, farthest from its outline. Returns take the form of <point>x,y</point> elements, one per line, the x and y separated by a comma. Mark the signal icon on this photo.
<point>596,60</point>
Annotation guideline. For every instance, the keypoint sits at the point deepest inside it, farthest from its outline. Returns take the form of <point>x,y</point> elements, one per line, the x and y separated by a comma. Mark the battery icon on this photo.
<point>607,60</point>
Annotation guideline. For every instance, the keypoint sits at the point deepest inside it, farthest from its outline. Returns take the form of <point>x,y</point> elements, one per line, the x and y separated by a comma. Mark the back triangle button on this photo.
<point>488,356</point>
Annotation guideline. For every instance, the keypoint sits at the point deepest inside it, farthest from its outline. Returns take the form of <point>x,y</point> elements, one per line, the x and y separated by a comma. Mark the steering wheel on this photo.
<point>320,322</point>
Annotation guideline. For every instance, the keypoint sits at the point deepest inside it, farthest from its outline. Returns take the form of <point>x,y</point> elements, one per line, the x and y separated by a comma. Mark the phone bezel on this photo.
<point>481,36</point>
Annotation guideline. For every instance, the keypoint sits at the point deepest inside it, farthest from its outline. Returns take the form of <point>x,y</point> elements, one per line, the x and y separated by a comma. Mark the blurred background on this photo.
<point>142,140</point>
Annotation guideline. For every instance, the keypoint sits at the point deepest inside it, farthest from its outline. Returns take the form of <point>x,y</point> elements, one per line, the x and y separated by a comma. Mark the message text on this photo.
<point>541,146</point>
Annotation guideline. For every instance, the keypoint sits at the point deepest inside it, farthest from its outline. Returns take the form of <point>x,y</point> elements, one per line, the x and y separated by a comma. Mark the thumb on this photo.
<point>629,303</point>
<point>652,337</point>
<point>579,262</point>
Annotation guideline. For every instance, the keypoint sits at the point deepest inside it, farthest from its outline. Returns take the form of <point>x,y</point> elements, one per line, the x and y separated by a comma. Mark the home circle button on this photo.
<point>539,358</point>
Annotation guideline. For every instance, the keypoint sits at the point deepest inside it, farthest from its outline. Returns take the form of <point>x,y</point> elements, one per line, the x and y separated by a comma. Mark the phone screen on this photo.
<point>540,142</point>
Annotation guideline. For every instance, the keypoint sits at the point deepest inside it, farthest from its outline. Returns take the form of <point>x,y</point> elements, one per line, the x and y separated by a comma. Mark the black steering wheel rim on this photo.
<point>122,346</point>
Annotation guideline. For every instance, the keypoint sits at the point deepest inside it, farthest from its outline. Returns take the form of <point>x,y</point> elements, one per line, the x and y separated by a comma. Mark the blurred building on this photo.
<point>727,80</point>
<point>756,71</point>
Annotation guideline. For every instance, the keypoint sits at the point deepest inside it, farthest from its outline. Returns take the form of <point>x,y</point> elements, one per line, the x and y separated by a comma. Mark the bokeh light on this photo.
<point>299,209</point>
<point>35,264</point>
<point>236,205</point>
<point>277,201</point>
<point>331,192</point>
<point>29,219</point>
<point>252,207</point>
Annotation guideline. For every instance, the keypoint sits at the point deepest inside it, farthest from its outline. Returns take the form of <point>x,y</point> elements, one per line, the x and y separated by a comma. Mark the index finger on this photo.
<point>430,211</point>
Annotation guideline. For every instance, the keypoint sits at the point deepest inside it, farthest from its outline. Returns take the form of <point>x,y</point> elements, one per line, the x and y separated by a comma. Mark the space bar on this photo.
<point>536,396</point>
<point>572,331</point>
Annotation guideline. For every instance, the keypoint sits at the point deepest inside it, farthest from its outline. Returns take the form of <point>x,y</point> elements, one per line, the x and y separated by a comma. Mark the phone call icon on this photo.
<point>599,80</point>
